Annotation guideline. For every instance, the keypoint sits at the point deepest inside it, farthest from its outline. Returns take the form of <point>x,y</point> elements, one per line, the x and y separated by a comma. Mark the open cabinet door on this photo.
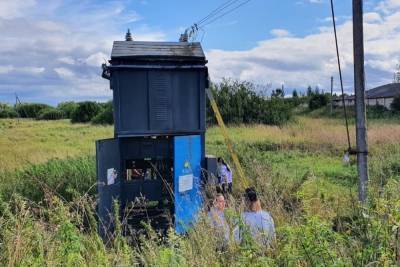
<point>187,173</point>
<point>108,182</point>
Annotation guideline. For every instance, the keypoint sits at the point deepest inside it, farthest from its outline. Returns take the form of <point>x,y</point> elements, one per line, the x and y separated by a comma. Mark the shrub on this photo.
<point>238,103</point>
<point>6,111</point>
<point>30,110</point>
<point>318,101</point>
<point>396,103</point>
<point>85,111</point>
<point>105,116</point>
<point>68,108</point>
<point>65,178</point>
<point>377,112</point>
<point>50,114</point>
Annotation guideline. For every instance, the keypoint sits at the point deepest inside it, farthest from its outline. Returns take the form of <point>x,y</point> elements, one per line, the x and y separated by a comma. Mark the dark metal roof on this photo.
<point>157,50</point>
<point>387,90</point>
<point>383,91</point>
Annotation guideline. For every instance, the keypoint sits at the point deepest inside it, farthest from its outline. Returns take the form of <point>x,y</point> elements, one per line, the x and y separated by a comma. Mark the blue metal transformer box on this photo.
<point>152,166</point>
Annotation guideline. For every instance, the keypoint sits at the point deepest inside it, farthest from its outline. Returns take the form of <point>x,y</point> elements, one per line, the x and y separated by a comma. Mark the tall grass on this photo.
<point>66,179</point>
<point>48,210</point>
<point>59,232</point>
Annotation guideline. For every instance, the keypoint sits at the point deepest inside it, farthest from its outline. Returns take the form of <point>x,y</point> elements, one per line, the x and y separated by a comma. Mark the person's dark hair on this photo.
<point>251,194</point>
<point>222,161</point>
<point>218,189</point>
<point>219,195</point>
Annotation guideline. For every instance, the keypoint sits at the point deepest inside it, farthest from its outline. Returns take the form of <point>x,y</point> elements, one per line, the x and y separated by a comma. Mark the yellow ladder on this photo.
<point>244,182</point>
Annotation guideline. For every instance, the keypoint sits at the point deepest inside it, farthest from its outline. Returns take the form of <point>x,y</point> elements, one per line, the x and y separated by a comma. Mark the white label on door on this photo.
<point>111,175</point>
<point>185,183</point>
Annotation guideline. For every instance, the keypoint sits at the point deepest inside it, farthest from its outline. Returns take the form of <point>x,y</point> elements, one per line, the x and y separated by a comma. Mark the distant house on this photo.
<point>381,95</point>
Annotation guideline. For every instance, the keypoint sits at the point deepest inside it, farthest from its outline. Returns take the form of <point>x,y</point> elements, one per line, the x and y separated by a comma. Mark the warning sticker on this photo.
<point>185,183</point>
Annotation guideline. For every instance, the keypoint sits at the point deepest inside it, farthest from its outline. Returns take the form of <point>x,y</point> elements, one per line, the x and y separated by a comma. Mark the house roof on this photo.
<point>135,50</point>
<point>383,91</point>
<point>387,90</point>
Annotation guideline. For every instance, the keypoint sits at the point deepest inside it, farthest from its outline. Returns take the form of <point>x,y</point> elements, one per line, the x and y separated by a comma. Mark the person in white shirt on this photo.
<point>225,176</point>
<point>217,217</point>
<point>259,222</point>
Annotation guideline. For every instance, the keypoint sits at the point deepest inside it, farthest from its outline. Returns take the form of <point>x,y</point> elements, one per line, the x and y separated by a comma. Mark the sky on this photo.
<point>52,50</point>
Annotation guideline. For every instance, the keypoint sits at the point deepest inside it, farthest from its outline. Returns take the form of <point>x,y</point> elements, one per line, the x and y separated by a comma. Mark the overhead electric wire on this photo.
<point>340,75</point>
<point>221,11</point>
<point>227,12</point>
<point>217,10</point>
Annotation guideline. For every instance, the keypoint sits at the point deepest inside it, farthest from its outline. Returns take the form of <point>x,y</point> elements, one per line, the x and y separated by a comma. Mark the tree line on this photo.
<point>77,112</point>
<point>240,102</point>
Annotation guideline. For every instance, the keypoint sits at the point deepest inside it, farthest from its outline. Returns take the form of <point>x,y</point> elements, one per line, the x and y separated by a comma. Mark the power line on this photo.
<point>229,11</point>
<point>340,75</point>
<point>192,31</point>
<point>217,10</point>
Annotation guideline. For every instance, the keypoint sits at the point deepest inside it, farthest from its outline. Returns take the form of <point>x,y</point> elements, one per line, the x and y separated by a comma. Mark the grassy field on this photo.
<point>31,141</point>
<point>48,183</point>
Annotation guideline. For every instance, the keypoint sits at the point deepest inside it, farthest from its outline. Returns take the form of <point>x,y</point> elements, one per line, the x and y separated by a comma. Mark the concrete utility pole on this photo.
<point>359,87</point>
<point>331,94</point>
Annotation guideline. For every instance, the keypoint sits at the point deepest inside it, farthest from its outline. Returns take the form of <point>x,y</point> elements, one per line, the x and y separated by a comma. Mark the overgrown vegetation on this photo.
<point>378,112</point>
<point>67,108</point>
<point>85,111</point>
<point>240,103</point>
<point>30,110</point>
<point>88,111</point>
<point>48,213</point>
<point>105,116</point>
<point>6,111</point>
<point>48,187</point>
<point>396,103</point>
<point>50,114</point>
<point>318,101</point>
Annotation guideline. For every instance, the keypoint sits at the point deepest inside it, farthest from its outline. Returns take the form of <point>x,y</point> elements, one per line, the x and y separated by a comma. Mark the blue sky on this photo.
<point>52,50</point>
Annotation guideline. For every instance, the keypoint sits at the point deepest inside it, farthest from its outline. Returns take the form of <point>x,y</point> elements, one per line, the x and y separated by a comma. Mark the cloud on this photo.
<point>6,69</point>
<point>311,60</point>
<point>388,6</point>
<point>280,33</point>
<point>96,59</point>
<point>67,60</point>
<point>14,8</point>
<point>52,51</point>
<point>372,17</point>
<point>64,73</point>
<point>32,70</point>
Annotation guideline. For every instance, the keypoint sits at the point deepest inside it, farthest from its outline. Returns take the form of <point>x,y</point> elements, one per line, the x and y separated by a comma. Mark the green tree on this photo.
<point>278,92</point>
<point>50,114</point>
<point>30,110</point>
<point>238,102</point>
<point>7,111</point>
<point>68,108</point>
<point>85,111</point>
<point>396,103</point>
<point>309,91</point>
<point>317,101</point>
<point>106,115</point>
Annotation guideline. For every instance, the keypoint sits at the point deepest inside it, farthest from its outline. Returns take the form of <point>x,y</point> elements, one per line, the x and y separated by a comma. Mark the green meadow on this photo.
<point>48,190</point>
